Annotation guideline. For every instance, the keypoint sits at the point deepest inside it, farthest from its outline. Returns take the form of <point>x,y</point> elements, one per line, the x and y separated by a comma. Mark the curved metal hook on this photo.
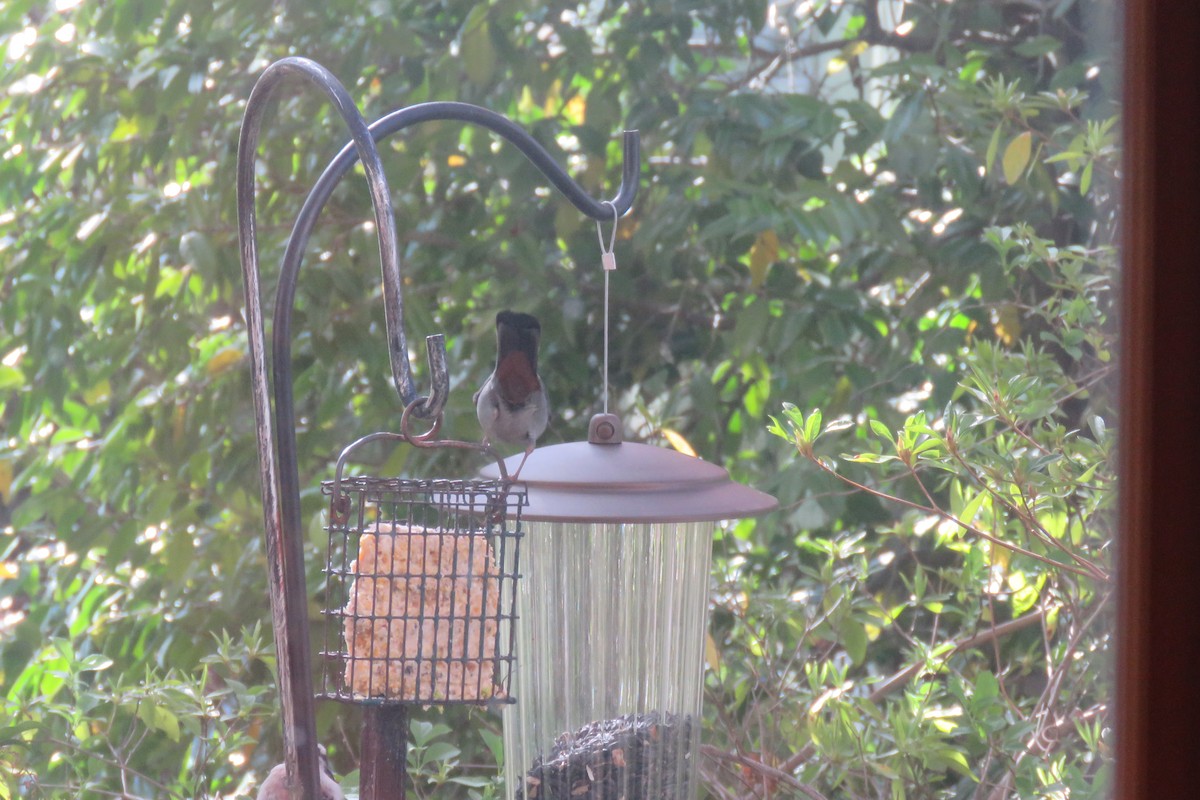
<point>280,489</point>
<point>392,123</point>
<point>340,504</point>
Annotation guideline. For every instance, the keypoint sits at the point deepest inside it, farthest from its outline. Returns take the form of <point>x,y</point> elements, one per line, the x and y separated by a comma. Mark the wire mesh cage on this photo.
<point>420,593</point>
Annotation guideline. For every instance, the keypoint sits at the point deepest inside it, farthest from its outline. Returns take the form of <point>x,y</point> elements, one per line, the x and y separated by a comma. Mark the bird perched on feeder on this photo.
<point>512,405</point>
<point>275,786</point>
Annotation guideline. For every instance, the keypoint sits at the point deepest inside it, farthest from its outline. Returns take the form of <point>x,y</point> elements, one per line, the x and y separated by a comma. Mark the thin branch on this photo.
<point>1046,734</point>
<point>994,633</point>
<point>780,60</point>
<point>1097,574</point>
<point>1031,523</point>
<point>763,769</point>
<point>713,784</point>
<point>71,746</point>
<point>902,677</point>
<point>874,33</point>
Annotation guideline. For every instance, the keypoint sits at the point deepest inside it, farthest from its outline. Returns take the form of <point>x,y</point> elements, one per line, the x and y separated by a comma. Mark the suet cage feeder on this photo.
<point>420,588</point>
<point>576,598</point>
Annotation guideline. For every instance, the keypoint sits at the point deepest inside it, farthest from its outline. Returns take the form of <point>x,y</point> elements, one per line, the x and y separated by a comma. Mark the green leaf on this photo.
<point>882,431</point>
<point>11,377</point>
<point>1038,46</point>
<point>853,636</point>
<point>14,735</point>
<point>1070,156</point>
<point>839,424</point>
<point>986,686</point>
<point>794,415</point>
<point>926,445</point>
<point>495,745</point>
<point>1016,156</point>
<point>956,761</point>
<point>167,722</point>
<point>158,718</point>
<point>812,426</point>
<point>868,458</point>
<point>967,517</point>
<point>1024,599</point>
<point>992,148</point>
<point>96,662</point>
<point>478,52</point>
<point>196,248</point>
<point>441,751</point>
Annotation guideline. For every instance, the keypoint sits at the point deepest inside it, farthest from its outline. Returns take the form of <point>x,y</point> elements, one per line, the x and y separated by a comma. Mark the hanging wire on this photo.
<point>609,260</point>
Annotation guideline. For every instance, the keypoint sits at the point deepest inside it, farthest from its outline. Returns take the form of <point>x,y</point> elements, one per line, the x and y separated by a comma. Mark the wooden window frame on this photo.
<point>1158,627</point>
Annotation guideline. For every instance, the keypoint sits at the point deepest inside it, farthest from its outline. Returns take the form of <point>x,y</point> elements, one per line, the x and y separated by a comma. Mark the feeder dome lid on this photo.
<point>607,480</point>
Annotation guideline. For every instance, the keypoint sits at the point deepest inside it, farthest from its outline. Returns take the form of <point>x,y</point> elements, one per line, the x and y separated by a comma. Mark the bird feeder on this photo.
<point>612,615</point>
<point>421,575</point>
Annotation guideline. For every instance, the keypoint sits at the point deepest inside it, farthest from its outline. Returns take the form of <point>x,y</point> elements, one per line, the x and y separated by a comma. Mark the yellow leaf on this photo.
<point>677,440</point>
<point>478,53</point>
<point>1016,156</point>
<point>999,557</point>
<point>125,130</point>
<point>567,221</point>
<point>763,253</point>
<point>628,229</point>
<point>576,110</point>
<point>855,49</point>
<point>456,160</point>
<point>842,390</point>
<point>6,481</point>
<point>712,654</point>
<point>223,359</point>
<point>553,98</point>
<point>1007,324</point>
<point>98,393</point>
<point>1051,620</point>
<point>595,173</point>
<point>8,570</point>
<point>525,105</point>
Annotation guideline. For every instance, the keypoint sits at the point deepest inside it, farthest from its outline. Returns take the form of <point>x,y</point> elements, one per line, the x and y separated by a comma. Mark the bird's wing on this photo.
<point>330,789</point>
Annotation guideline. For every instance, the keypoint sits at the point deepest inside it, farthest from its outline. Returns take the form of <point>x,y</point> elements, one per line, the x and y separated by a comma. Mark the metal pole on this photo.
<point>280,490</point>
<point>384,744</point>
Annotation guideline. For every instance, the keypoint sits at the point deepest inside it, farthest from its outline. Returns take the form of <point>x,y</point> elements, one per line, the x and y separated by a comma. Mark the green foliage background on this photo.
<point>906,226</point>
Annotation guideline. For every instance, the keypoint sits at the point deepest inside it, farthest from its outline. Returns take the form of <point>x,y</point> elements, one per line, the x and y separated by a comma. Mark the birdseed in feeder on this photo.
<point>631,757</point>
<point>421,621</point>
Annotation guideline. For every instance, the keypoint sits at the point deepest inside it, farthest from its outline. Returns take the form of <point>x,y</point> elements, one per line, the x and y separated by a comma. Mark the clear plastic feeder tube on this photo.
<point>610,658</point>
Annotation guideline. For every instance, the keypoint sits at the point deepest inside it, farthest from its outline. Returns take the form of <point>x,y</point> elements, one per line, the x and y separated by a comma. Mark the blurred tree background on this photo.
<point>870,270</point>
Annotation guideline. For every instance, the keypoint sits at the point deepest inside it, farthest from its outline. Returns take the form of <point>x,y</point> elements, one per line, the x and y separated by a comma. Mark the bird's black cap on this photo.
<point>518,321</point>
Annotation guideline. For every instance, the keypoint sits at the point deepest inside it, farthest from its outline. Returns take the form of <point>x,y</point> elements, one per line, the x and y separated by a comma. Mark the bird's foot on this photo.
<point>516,475</point>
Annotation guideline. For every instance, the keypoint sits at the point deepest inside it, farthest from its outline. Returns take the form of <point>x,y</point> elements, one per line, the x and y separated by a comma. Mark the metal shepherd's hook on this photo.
<point>279,465</point>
